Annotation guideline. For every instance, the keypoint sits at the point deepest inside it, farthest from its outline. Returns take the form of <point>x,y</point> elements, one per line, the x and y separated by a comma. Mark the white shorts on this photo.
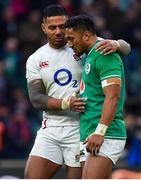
<point>60,145</point>
<point>111,148</point>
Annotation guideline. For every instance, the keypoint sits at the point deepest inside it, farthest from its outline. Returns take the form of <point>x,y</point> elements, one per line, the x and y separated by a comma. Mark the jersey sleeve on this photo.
<point>32,68</point>
<point>108,66</point>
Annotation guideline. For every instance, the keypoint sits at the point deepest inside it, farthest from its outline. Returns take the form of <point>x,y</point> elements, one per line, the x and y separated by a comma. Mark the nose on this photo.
<point>58,30</point>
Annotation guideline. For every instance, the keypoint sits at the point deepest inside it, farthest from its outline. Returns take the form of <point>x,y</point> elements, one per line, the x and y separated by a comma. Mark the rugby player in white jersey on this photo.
<point>53,76</point>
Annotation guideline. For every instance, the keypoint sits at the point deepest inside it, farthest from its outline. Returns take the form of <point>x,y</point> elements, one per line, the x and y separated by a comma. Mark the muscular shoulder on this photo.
<point>41,56</point>
<point>112,58</point>
<point>108,64</point>
<point>36,56</point>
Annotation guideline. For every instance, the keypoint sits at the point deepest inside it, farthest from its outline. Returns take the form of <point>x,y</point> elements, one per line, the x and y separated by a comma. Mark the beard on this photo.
<point>58,43</point>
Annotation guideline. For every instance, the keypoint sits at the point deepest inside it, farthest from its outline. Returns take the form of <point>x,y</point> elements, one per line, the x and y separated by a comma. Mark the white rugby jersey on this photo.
<point>61,74</point>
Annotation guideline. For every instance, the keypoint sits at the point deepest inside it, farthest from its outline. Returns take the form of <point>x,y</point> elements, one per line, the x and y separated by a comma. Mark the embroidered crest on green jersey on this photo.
<point>87,68</point>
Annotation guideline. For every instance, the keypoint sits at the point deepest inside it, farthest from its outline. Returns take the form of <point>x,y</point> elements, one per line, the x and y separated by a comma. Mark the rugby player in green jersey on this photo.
<point>102,128</point>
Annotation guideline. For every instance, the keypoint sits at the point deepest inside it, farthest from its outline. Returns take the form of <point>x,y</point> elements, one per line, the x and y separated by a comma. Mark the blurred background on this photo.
<point>21,35</point>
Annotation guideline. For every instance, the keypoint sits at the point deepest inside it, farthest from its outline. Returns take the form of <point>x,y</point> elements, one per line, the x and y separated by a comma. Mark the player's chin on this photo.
<point>60,44</point>
<point>77,53</point>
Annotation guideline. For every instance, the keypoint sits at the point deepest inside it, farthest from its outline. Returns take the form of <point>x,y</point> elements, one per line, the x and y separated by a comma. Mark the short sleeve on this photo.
<point>108,66</point>
<point>32,68</point>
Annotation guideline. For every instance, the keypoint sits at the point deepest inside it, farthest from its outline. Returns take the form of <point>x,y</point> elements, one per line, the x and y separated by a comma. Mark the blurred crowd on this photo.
<point>21,35</point>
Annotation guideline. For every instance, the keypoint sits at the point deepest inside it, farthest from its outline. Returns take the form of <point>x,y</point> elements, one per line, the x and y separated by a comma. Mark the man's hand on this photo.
<point>94,142</point>
<point>107,46</point>
<point>77,104</point>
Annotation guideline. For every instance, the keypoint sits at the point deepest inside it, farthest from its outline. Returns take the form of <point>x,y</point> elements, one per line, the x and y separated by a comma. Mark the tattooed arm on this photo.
<point>107,46</point>
<point>124,48</point>
<point>40,100</point>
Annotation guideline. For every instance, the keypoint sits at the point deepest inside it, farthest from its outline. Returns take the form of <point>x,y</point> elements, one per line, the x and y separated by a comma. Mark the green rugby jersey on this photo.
<point>97,68</point>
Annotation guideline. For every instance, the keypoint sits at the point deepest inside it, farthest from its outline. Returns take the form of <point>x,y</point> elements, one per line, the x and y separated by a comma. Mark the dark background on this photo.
<point>21,35</point>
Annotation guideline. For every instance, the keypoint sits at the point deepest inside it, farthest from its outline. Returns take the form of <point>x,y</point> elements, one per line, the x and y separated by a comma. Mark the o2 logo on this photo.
<point>65,72</point>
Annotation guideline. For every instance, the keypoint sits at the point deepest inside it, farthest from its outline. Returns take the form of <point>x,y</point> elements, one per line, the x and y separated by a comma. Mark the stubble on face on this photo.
<point>75,41</point>
<point>54,29</point>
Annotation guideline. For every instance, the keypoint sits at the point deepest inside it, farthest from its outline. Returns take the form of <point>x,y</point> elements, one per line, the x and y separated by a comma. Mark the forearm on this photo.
<point>108,46</point>
<point>39,99</point>
<point>109,110</point>
<point>124,47</point>
<point>96,139</point>
<point>44,102</point>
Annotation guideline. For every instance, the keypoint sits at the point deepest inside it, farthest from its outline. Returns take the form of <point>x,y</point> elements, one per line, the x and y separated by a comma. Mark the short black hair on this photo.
<point>54,10</point>
<point>81,22</point>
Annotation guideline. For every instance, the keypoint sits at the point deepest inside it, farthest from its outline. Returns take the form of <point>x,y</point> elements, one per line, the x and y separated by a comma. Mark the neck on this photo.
<point>91,42</point>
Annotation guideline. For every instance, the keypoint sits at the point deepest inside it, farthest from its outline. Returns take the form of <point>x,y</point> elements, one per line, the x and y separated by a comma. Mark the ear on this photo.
<point>86,35</point>
<point>43,27</point>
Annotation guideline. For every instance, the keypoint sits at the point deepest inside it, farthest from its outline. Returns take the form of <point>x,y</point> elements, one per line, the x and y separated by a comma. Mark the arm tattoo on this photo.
<point>37,94</point>
<point>125,48</point>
